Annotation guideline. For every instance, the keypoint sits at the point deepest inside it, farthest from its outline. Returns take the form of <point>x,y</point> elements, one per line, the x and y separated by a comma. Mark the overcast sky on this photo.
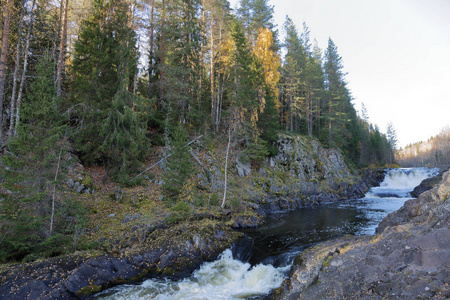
<point>396,53</point>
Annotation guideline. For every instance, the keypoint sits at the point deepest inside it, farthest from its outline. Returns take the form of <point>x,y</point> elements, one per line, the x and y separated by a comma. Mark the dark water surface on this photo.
<point>259,262</point>
<point>286,235</point>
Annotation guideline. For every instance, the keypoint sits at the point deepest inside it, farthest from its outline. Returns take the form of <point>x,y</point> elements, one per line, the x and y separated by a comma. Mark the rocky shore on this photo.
<point>408,258</point>
<point>302,174</point>
<point>172,252</point>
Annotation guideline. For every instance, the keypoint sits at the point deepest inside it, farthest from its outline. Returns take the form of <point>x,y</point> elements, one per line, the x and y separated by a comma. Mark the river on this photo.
<point>260,261</point>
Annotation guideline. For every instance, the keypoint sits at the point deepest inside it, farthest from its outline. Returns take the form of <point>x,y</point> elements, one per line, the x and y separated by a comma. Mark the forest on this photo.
<point>104,82</point>
<point>435,152</point>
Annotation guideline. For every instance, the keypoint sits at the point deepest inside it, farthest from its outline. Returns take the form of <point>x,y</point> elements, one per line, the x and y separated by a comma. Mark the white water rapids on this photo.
<point>398,183</point>
<point>228,278</point>
<point>225,278</point>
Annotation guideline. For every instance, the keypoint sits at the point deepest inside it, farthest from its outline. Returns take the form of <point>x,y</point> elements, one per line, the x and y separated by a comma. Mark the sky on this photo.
<point>396,54</point>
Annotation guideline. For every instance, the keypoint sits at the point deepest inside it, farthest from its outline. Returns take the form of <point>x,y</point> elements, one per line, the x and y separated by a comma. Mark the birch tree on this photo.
<point>15,114</point>
<point>62,46</point>
<point>3,55</point>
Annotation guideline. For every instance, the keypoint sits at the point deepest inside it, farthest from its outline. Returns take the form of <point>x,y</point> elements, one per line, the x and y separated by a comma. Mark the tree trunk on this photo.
<point>24,71</point>
<point>213,99</point>
<point>3,54</point>
<point>202,49</point>
<point>218,105</point>
<point>54,192</point>
<point>161,55</point>
<point>15,76</point>
<point>62,47</point>
<point>329,123</point>
<point>151,63</point>
<point>226,169</point>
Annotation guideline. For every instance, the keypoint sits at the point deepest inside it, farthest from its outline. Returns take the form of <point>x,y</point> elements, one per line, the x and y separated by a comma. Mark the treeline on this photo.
<point>106,80</point>
<point>123,71</point>
<point>432,153</point>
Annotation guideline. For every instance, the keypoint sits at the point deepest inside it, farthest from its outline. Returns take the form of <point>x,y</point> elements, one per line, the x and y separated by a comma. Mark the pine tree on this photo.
<point>255,15</point>
<point>392,140</point>
<point>337,96</point>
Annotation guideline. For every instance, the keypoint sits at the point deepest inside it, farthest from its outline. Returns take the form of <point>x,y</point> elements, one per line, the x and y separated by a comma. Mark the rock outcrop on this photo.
<point>409,258</point>
<point>428,184</point>
<point>174,253</point>
<point>303,173</point>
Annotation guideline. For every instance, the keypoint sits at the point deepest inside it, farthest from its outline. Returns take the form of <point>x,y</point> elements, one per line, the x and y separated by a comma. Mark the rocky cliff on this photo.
<point>303,173</point>
<point>409,258</point>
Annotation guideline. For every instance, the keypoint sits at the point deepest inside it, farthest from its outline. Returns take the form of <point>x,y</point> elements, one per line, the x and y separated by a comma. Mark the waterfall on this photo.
<point>399,183</point>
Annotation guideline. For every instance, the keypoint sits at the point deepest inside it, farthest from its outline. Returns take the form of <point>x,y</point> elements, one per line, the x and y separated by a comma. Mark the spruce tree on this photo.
<point>33,163</point>
<point>112,120</point>
<point>292,77</point>
<point>102,54</point>
<point>124,136</point>
<point>180,167</point>
<point>182,35</point>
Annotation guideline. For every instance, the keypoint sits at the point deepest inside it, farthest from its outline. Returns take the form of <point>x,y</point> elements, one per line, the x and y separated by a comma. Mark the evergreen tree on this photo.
<point>248,99</point>
<point>180,167</point>
<point>391,136</point>
<point>124,135</point>
<point>104,66</point>
<point>292,77</point>
<point>254,15</point>
<point>182,34</point>
<point>337,96</point>
<point>34,170</point>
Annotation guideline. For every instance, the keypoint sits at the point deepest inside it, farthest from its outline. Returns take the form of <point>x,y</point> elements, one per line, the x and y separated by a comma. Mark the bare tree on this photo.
<point>226,169</point>
<point>62,47</point>
<point>16,75</point>
<point>3,54</point>
<point>24,71</point>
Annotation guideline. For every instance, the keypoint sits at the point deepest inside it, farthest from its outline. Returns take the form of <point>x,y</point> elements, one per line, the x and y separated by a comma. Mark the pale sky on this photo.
<point>396,53</point>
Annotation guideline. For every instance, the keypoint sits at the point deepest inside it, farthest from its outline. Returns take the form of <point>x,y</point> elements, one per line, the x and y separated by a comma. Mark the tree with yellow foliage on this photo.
<point>270,61</point>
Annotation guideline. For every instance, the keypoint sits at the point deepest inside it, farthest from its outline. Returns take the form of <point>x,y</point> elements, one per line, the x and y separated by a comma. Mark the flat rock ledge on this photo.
<point>77,277</point>
<point>408,258</point>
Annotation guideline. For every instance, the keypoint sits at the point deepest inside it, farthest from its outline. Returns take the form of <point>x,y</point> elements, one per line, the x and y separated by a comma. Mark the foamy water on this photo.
<point>399,183</point>
<point>225,278</point>
<point>228,278</point>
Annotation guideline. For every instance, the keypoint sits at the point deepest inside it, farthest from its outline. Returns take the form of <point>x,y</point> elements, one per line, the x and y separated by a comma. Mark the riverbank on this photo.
<point>173,252</point>
<point>409,258</point>
<point>138,237</point>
